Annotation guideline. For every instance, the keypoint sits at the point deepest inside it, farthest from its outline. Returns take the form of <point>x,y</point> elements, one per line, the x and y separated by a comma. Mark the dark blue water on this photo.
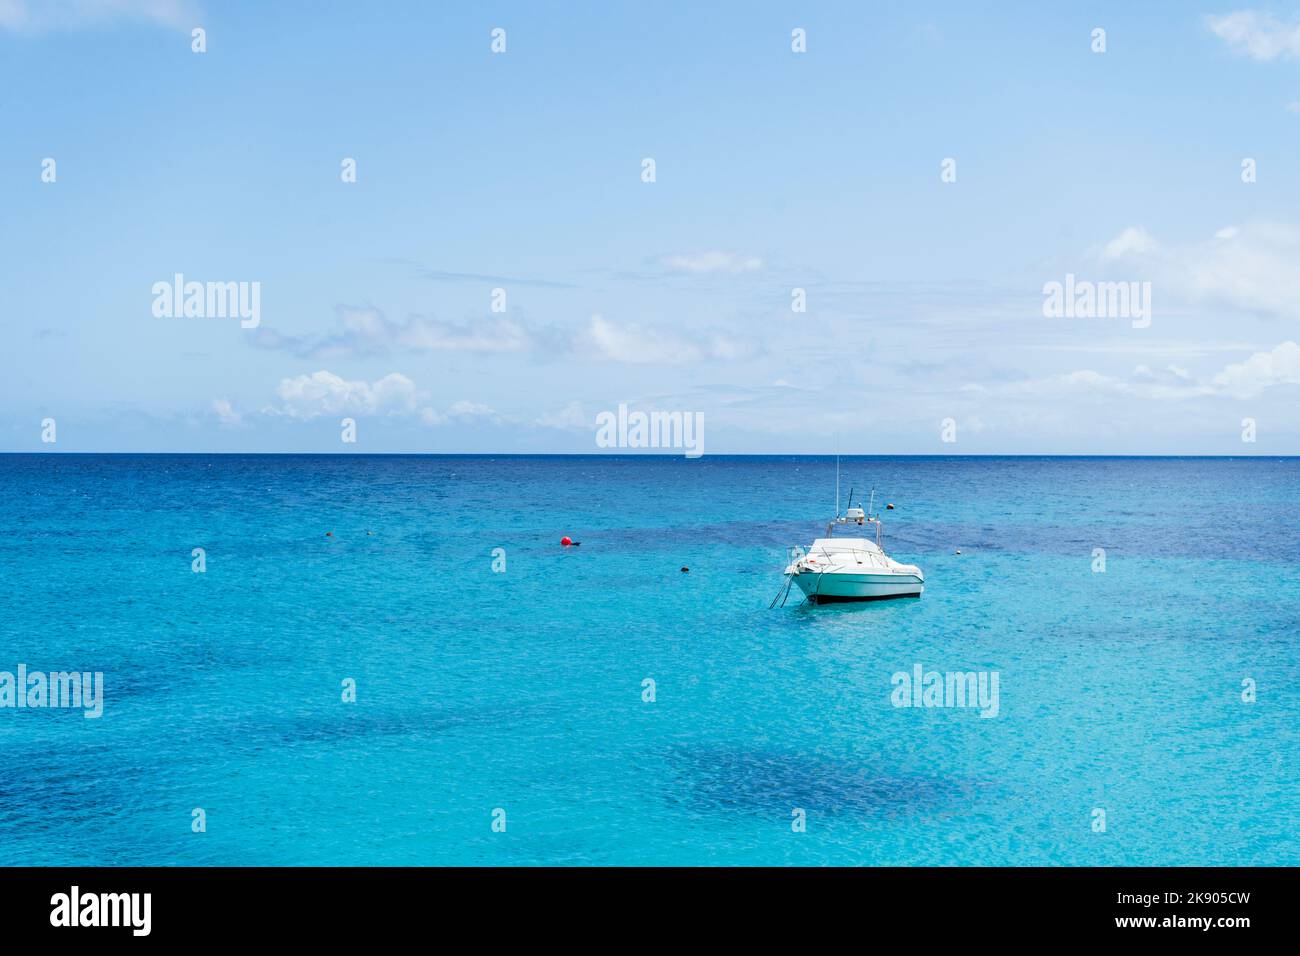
<point>522,690</point>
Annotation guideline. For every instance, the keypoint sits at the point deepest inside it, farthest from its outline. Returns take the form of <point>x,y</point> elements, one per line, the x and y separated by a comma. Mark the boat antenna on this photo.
<point>837,474</point>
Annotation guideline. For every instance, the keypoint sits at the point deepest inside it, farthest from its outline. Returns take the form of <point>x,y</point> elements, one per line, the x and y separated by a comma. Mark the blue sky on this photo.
<point>774,170</point>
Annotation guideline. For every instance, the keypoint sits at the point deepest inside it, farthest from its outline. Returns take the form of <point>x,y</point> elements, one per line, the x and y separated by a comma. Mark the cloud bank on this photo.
<point>367,332</point>
<point>1260,36</point>
<point>1249,268</point>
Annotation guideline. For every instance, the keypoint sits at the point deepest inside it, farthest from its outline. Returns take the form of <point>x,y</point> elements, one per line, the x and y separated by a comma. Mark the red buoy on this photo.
<point>566,541</point>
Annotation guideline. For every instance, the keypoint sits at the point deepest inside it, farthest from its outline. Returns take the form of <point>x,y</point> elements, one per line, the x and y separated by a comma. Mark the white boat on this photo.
<point>852,568</point>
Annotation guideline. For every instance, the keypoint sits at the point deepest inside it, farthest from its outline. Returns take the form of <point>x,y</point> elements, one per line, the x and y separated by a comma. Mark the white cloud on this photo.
<point>227,416</point>
<point>1083,381</point>
<point>1280,366</point>
<point>631,343</point>
<point>324,393</point>
<point>1262,370</point>
<point>461,412</point>
<point>570,417</point>
<point>636,344</point>
<point>366,331</point>
<point>1249,268</point>
<point>307,397</point>
<point>711,262</point>
<point>1260,36</point>
<point>488,335</point>
<point>32,16</point>
<point>1252,269</point>
<point>1132,241</point>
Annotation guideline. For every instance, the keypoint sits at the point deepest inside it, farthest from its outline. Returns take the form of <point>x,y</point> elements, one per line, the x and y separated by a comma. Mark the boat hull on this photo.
<point>856,586</point>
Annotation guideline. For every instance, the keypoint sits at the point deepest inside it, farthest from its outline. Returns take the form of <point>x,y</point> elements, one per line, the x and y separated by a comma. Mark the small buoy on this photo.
<point>889,507</point>
<point>566,541</point>
<point>329,534</point>
<point>685,570</point>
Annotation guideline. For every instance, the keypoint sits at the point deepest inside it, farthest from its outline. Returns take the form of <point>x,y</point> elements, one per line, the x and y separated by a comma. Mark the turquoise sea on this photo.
<point>521,690</point>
